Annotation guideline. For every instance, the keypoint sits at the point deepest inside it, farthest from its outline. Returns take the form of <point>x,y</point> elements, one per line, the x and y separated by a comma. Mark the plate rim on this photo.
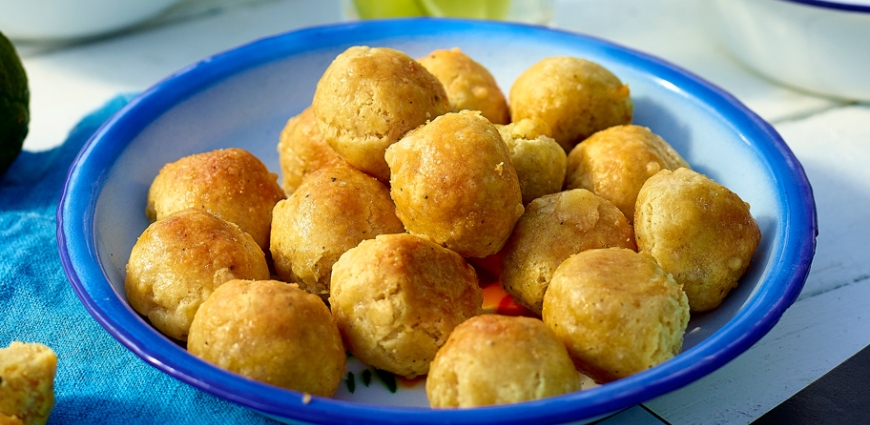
<point>85,271</point>
<point>833,5</point>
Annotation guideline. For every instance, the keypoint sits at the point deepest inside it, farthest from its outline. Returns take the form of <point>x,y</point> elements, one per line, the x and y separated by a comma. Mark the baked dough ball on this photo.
<point>468,84</point>
<point>453,182</point>
<point>698,231</point>
<point>302,150</point>
<point>576,97</point>
<point>540,161</point>
<point>230,183</point>
<point>396,298</point>
<point>272,332</point>
<point>493,359</point>
<point>617,312</point>
<point>553,228</point>
<point>368,98</point>
<point>615,162</point>
<point>26,383</point>
<point>179,260</point>
<point>332,211</point>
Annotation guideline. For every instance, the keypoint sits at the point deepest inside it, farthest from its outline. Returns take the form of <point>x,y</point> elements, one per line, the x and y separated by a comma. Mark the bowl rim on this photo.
<point>833,4</point>
<point>60,28</point>
<point>78,249</point>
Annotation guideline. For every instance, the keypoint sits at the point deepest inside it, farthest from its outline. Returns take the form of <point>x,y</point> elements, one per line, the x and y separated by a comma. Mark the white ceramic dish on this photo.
<point>818,46</point>
<point>243,98</point>
<point>73,19</point>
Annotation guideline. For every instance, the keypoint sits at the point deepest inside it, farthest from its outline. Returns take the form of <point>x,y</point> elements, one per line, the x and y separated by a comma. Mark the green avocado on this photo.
<point>14,104</point>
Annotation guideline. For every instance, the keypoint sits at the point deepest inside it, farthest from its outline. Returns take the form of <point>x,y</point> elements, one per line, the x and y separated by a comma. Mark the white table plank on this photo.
<point>834,148</point>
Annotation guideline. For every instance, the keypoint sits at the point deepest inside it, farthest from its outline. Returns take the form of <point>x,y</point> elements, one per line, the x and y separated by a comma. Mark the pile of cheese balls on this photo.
<point>401,172</point>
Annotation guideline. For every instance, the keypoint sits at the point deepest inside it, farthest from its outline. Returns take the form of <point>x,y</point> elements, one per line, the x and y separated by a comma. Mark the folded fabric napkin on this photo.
<point>98,380</point>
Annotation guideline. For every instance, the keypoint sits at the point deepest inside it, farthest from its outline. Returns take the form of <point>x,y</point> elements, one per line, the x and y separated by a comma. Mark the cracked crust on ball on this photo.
<point>617,312</point>
<point>396,298</point>
<point>232,184</point>
<point>469,85</point>
<point>493,359</point>
<point>540,162</point>
<point>453,183</point>
<point>698,231</point>
<point>272,332</point>
<point>331,212</point>
<point>553,228</point>
<point>368,98</point>
<point>574,96</point>
<point>178,262</point>
<point>614,164</point>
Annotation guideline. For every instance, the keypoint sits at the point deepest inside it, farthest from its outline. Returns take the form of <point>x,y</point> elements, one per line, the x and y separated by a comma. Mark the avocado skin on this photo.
<point>14,104</point>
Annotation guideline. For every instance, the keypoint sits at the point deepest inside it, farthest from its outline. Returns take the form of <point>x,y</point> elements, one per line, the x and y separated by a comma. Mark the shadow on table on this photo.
<point>839,397</point>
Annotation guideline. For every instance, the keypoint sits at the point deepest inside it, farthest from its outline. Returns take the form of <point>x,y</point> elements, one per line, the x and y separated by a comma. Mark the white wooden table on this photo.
<point>823,328</point>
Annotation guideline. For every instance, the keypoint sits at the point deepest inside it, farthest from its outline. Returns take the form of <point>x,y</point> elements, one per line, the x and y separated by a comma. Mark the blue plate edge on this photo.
<point>832,5</point>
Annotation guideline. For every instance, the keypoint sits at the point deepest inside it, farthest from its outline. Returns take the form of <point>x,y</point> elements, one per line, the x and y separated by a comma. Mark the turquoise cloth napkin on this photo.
<point>98,380</point>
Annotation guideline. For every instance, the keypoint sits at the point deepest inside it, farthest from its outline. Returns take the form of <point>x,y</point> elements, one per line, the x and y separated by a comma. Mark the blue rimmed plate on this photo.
<point>243,97</point>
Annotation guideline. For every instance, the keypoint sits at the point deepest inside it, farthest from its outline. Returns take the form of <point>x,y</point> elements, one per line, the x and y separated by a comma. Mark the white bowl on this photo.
<point>819,46</point>
<point>73,19</point>
<point>243,98</point>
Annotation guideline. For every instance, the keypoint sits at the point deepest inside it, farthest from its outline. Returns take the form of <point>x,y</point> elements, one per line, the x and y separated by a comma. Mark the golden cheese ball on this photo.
<point>230,183</point>
<point>493,359</point>
<point>302,151</point>
<point>614,163</point>
<point>368,98</point>
<point>453,182</point>
<point>469,85</point>
<point>616,311</point>
<point>553,228</point>
<point>396,298</point>
<point>526,128</point>
<point>26,383</point>
<point>332,211</point>
<point>540,162</point>
<point>272,332</point>
<point>698,231</point>
<point>179,260</point>
<point>576,97</point>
